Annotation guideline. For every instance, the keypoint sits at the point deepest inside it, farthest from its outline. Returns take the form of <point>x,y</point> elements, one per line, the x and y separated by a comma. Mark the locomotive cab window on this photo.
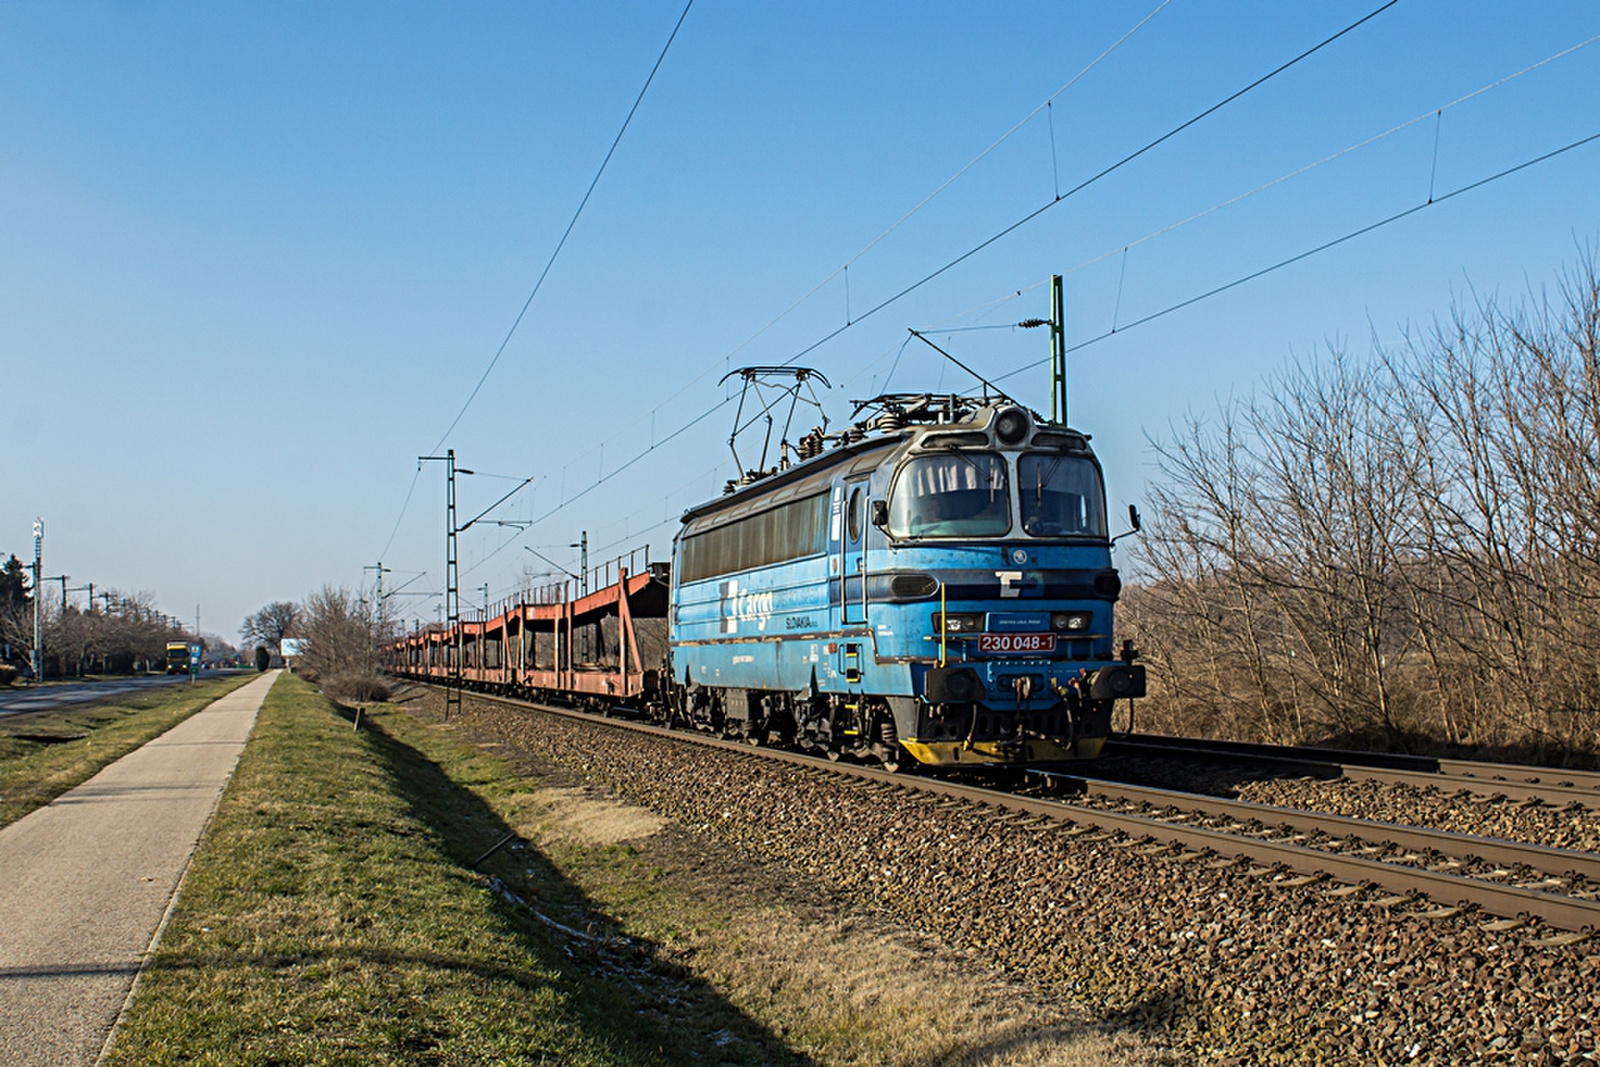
<point>1062,496</point>
<point>853,516</point>
<point>958,494</point>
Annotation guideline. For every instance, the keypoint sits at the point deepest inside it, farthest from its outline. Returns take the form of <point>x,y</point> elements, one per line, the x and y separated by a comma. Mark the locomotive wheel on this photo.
<point>887,748</point>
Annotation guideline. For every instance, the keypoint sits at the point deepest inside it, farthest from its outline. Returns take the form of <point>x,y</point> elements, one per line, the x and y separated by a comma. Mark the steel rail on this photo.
<point>1507,901</point>
<point>1555,861</point>
<point>1554,785</point>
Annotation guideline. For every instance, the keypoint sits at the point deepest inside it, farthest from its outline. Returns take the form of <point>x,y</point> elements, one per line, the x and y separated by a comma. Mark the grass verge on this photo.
<point>332,915</point>
<point>837,985</point>
<point>44,754</point>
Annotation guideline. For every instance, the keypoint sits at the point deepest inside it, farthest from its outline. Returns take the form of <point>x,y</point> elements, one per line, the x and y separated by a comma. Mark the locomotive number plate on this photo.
<point>1016,642</point>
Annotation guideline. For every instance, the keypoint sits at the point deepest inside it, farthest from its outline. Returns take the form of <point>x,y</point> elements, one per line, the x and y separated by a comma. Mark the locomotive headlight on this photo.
<point>1011,426</point>
<point>959,623</point>
<point>1071,621</point>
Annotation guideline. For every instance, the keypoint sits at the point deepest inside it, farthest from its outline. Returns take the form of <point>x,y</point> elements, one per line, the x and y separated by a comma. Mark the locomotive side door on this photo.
<point>853,559</point>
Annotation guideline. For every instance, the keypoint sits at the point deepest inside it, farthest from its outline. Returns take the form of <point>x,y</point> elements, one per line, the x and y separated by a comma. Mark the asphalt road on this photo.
<point>86,880</point>
<point>15,700</point>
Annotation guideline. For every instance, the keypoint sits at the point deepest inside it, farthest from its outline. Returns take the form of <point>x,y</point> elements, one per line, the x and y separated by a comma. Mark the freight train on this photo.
<point>932,587</point>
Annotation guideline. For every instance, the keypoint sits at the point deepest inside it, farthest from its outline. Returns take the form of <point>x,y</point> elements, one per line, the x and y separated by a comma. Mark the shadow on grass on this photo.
<point>647,1006</point>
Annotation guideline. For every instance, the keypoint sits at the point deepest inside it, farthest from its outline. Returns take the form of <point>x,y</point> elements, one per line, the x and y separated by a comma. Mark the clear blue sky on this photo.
<point>253,258</point>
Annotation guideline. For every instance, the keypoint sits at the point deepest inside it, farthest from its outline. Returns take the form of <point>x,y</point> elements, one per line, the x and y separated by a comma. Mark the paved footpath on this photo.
<point>86,880</point>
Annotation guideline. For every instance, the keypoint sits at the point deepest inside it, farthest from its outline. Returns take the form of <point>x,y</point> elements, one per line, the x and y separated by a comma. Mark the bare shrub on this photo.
<point>337,634</point>
<point>1402,550</point>
<point>356,688</point>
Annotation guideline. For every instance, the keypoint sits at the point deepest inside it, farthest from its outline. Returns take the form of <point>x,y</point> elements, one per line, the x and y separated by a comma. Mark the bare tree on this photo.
<point>1392,549</point>
<point>271,625</point>
<point>340,650</point>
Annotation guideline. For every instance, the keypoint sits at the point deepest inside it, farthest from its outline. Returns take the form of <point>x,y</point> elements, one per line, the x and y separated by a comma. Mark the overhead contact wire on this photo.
<point>901,221</point>
<point>570,225</point>
<point>1430,113</point>
<point>1253,275</point>
<point>1122,250</point>
<point>979,247</point>
<point>1118,165</point>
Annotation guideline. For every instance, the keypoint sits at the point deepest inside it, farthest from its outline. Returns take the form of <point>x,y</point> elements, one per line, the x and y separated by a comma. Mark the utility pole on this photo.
<point>583,581</point>
<point>38,569</point>
<point>480,646</point>
<point>1058,353</point>
<point>583,563</point>
<point>452,579</point>
<point>377,595</point>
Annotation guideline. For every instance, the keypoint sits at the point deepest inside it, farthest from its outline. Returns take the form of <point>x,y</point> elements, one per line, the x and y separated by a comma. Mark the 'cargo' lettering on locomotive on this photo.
<point>743,607</point>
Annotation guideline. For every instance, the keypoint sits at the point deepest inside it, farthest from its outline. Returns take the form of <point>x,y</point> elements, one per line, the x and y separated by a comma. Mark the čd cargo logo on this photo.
<point>740,607</point>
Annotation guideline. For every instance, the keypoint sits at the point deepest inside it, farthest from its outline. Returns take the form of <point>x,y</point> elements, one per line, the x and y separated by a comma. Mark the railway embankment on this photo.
<point>411,892</point>
<point>1204,957</point>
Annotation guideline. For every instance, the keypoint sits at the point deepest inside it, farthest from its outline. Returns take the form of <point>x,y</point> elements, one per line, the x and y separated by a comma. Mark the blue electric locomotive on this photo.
<point>938,584</point>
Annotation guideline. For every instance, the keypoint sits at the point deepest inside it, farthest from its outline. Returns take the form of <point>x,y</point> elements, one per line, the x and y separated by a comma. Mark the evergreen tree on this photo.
<point>13,585</point>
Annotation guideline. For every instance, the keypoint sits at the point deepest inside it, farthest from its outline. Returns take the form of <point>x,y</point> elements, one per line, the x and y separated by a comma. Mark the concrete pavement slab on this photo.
<point>86,881</point>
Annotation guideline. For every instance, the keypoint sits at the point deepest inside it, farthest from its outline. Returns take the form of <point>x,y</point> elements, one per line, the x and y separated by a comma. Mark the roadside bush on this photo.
<point>336,637</point>
<point>8,674</point>
<point>263,658</point>
<point>356,688</point>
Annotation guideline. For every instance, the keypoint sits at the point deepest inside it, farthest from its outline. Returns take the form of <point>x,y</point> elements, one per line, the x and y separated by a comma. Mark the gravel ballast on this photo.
<point>1571,827</point>
<point>1215,959</point>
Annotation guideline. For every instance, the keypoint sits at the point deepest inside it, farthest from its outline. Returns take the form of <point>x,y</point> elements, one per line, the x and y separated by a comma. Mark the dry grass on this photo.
<point>836,989</point>
<point>857,993</point>
<point>573,815</point>
<point>332,915</point>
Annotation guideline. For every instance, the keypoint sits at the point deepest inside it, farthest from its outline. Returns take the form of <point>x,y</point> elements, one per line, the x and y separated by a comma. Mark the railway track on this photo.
<point>1318,843</point>
<point>1557,786</point>
<point>1244,836</point>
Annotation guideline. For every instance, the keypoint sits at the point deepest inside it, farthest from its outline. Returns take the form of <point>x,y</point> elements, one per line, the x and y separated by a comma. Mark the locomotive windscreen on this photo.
<point>1062,496</point>
<point>958,494</point>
